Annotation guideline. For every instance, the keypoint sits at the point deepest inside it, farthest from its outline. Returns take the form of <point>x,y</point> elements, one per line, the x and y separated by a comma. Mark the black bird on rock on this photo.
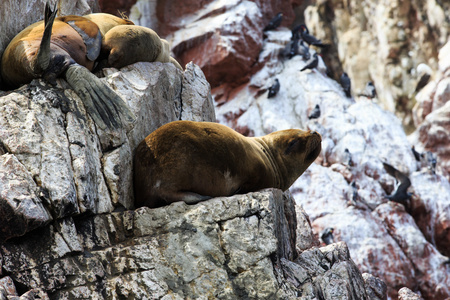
<point>348,158</point>
<point>311,63</point>
<point>370,91</point>
<point>416,154</point>
<point>346,84</point>
<point>273,90</point>
<point>315,113</point>
<point>400,195</point>
<point>297,47</point>
<point>296,32</point>
<point>431,161</point>
<point>309,38</point>
<point>275,22</point>
<point>327,235</point>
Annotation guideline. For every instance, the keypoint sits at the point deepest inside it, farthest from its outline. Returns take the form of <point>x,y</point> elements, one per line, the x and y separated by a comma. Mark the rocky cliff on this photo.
<point>396,45</point>
<point>68,226</point>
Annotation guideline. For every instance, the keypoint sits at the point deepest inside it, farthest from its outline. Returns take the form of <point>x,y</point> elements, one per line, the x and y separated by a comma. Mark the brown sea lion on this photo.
<point>194,161</point>
<point>64,47</point>
<point>107,21</point>
<point>129,44</point>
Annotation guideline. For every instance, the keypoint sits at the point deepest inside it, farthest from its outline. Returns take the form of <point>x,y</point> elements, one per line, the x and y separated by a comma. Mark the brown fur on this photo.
<point>193,161</point>
<point>129,44</point>
<point>106,21</point>
<point>67,47</point>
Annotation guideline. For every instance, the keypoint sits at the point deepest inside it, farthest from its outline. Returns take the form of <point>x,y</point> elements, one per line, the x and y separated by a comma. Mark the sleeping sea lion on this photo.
<point>194,161</point>
<point>128,44</point>
<point>64,47</point>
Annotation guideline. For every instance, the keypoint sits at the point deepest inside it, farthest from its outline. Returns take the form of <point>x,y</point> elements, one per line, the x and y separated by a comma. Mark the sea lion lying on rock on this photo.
<point>194,161</point>
<point>64,47</point>
<point>69,47</point>
<point>129,44</point>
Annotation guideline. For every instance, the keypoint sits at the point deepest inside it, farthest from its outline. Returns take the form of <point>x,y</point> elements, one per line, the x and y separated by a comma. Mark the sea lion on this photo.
<point>128,44</point>
<point>64,47</point>
<point>105,22</point>
<point>194,161</point>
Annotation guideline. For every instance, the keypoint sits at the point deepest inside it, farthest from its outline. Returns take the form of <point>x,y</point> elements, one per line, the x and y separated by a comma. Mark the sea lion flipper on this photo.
<point>103,104</point>
<point>43,57</point>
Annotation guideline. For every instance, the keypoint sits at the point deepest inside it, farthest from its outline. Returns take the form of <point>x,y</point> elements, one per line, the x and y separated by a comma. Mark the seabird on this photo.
<point>273,90</point>
<point>275,22</point>
<point>315,113</point>
<point>400,195</point>
<point>311,63</point>
<point>327,235</point>
<point>370,91</point>
<point>346,84</point>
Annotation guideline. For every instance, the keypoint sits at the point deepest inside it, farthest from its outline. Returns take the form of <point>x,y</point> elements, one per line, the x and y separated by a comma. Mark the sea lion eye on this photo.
<point>291,146</point>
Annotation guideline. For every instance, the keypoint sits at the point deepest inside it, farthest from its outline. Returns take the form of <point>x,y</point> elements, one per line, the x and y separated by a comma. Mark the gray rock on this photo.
<point>376,289</point>
<point>406,294</point>
<point>21,209</point>
<point>224,248</point>
<point>57,159</point>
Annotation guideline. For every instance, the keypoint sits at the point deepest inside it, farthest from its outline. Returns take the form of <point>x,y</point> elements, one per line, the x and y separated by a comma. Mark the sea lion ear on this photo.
<point>292,146</point>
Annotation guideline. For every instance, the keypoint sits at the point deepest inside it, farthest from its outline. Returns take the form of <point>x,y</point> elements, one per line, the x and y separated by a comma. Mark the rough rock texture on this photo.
<point>116,7</point>
<point>56,164</point>
<point>225,38</point>
<point>16,15</point>
<point>407,294</point>
<point>383,42</point>
<point>402,246</point>
<point>432,114</point>
<point>214,29</point>
<point>225,248</point>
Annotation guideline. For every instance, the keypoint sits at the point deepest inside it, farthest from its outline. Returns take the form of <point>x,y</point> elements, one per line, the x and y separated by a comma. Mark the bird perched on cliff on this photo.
<point>275,22</point>
<point>327,235</point>
<point>296,32</point>
<point>311,63</point>
<point>346,84</point>
<point>400,195</point>
<point>303,50</point>
<point>296,47</point>
<point>416,154</point>
<point>315,113</point>
<point>370,91</point>
<point>309,38</point>
<point>424,75</point>
<point>353,193</point>
<point>273,90</point>
<point>348,158</point>
<point>430,161</point>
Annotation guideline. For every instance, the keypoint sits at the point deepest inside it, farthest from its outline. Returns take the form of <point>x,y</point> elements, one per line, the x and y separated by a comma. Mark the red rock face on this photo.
<point>224,41</point>
<point>115,7</point>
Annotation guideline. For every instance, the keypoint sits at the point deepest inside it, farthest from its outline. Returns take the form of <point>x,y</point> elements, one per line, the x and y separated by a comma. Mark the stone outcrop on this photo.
<point>346,187</point>
<point>382,42</point>
<point>432,114</point>
<point>226,248</point>
<point>215,28</point>
<point>57,164</point>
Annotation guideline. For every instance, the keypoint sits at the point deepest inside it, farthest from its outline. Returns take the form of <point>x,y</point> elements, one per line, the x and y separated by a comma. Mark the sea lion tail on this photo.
<point>43,57</point>
<point>105,107</point>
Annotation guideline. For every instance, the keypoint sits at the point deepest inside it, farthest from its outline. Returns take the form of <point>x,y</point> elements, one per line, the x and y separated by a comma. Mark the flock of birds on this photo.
<point>299,44</point>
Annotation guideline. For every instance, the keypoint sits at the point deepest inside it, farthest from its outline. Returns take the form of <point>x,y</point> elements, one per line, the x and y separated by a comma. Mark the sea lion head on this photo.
<point>293,151</point>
